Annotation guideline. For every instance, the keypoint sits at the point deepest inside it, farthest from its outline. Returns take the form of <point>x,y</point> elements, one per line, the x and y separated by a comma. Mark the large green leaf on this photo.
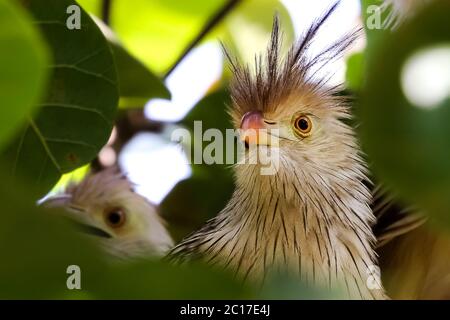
<point>23,60</point>
<point>408,145</point>
<point>76,116</point>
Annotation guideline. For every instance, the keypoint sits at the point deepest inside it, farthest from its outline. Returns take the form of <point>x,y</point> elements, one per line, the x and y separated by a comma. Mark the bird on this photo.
<point>105,206</point>
<point>312,217</point>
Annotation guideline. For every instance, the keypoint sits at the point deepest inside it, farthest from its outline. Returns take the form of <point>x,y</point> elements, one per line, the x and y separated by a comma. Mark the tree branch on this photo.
<point>106,11</point>
<point>210,24</point>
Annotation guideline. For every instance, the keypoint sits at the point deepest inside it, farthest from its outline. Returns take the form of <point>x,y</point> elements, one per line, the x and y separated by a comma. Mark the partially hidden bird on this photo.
<point>104,205</point>
<point>311,217</point>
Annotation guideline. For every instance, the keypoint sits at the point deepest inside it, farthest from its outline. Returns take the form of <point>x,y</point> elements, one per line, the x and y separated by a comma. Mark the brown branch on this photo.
<point>209,25</point>
<point>106,11</point>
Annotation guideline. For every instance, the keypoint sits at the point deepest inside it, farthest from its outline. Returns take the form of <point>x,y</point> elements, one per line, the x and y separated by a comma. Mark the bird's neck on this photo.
<point>321,233</point>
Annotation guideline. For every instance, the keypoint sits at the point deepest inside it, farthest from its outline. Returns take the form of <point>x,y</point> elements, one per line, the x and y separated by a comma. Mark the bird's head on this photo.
<point>283,110</point>
<point>105,205</point>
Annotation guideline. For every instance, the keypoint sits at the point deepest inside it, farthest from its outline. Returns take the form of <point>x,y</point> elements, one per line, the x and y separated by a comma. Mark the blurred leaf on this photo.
<point>77,114</point>
<point>202,199</point>
<point>373,19</point>
<point>137,84</point>
<point>212,111</point>
<point>158,280</point>
<point>210,187</point>
<point>92,6</point>
<point>37,247</point>
<point>75,176</point>
<point>285,287</point>
<point>409,146</point>
<point>355,71</point>
<point>23,60</point>
<point>136,81</point>
<point>159,30</point>
<point>247,30</point>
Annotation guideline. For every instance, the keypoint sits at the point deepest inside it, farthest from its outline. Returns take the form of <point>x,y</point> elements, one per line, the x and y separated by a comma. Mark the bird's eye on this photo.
<point>115,218</point>
<point>302,125</point>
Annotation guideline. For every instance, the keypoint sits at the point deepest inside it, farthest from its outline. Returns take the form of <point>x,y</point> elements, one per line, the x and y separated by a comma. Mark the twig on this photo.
<point>106,11</point>
<point>210,24</point>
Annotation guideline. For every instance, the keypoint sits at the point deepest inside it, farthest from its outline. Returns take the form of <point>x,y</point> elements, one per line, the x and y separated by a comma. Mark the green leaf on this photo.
<point>76,116</point>
<point>160,280</point>
<point>135,80</point>
<point>202,198</point>
<point>248,28</point>
<point>355,71</point>
<point>283,286</point>
<point>210,187</point>
<point>374,17</point>
<point>23,60</point>
<point>37,247</point>
<point>75,176</point>
<point>408,145</point>
<point>212,111</point>
<point>137,84</point>
<point>159,30</point>
<point>92,6</point>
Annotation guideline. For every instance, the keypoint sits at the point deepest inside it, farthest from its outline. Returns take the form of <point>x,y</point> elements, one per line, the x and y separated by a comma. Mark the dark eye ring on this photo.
<point>115,218</point>
<point>302,125</point>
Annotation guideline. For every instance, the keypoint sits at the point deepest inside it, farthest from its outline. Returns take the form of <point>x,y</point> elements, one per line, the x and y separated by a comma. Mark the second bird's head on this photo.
<point>105,206</point>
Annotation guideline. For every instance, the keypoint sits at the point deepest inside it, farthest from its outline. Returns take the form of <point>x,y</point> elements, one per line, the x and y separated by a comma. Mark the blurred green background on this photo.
<point>147,67</point>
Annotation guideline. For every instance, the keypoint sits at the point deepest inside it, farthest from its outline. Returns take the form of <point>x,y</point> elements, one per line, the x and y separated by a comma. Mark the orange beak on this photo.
<point>254,130</point>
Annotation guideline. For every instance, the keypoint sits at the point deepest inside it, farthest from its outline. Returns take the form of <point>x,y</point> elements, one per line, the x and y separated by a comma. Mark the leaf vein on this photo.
<point>76,142</point>
<point>19,150</point>
<point>44,144</point>
<point>84,71</point>
<point>89,56</point>
<point>76,107</point>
